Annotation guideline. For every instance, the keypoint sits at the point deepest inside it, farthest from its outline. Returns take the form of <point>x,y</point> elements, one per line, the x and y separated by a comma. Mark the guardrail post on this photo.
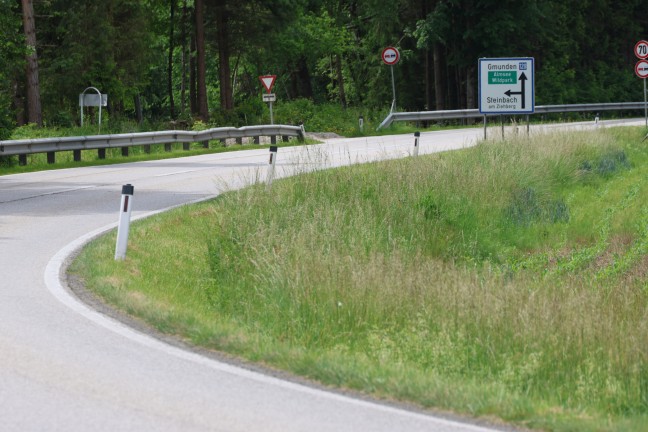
<point>124,221</point>
<point>416,143</point>
<point>273,139</point>
<point>271,167</point>
<point>76,154</point>
<point>485,124</point>
<point>124,151</point>
<point>256,140</point>
<point>185,146</point>
<point>284,138</point>
<point>167,147</point>
<point>302,134</point>
<point>22,159</point>
<point>101,153</point>
<point>51,157</point>
<point>147,148</point>
<point>239,140</point>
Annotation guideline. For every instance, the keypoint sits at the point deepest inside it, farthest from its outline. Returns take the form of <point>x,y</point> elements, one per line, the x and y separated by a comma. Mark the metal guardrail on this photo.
<point>474,113</point>
<point>94,142</point>
<point>51,145</point>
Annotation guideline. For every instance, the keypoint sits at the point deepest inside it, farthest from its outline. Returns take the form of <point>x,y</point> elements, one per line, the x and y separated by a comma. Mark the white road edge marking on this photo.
<point>52,276</point>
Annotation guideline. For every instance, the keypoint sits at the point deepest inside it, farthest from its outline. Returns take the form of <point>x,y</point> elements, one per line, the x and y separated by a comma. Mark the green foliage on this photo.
<point>12,53</point>
<point>329,117</point>
<point>323,51</point>
<point>104,44</point>
<point>527,208</point>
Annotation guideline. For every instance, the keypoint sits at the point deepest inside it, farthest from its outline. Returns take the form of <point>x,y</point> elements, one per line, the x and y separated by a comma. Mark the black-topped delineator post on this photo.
<point>124,221</point>
<point>417,135</point>
<point>271,167</point>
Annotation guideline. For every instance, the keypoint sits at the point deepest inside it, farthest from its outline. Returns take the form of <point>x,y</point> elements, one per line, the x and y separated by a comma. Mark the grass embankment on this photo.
<point>506,280</point>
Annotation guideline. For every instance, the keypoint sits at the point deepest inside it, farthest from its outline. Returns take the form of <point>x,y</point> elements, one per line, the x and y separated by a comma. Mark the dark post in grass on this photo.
<point>271,167</point>
<point>416,143</point>
<point>124,221</point>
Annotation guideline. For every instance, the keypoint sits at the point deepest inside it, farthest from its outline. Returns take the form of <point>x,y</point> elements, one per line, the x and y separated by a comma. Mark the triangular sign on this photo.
<point>268,81</point>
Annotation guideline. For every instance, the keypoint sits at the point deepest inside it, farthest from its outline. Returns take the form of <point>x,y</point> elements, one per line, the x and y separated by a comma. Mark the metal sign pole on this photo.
<point>645,104</point>
<point>271,117</point>
<point>393,90</point>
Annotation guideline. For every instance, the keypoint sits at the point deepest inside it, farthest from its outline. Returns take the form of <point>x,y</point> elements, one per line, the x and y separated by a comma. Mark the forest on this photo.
<point>184,60</point>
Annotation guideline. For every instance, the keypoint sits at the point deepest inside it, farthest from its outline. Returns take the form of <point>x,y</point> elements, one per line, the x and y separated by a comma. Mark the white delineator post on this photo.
<point>271,167</point>
<point>124,221</point>
<point>416,143</point>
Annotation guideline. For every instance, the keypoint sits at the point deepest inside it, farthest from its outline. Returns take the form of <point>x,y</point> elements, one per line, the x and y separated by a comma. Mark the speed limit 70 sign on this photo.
<point>641,49</point>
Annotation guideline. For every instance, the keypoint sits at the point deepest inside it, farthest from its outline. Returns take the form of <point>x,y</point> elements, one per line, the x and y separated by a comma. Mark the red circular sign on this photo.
<point>390,56</point>
<point>641,69</point>
<point>641,49</point>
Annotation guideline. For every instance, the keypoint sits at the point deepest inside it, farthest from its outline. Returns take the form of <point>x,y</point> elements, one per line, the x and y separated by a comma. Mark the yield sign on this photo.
<point>268,81</point>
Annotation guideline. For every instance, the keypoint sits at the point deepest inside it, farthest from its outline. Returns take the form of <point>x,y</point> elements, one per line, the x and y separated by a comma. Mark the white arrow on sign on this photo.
<point>268,81</point>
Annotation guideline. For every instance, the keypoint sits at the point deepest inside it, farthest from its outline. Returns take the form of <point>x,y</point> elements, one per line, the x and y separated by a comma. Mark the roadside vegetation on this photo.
<point>508,280</point>
<point>316,119</point>
<point>319,120</point>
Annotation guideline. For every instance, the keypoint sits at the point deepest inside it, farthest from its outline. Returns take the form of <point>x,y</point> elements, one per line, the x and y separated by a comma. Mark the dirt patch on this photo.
<point>617,247</point>
<point>322,135</point>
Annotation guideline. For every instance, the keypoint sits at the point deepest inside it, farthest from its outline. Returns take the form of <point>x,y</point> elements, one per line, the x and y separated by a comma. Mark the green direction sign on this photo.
<point>506,85</point>
<point>505,77</point>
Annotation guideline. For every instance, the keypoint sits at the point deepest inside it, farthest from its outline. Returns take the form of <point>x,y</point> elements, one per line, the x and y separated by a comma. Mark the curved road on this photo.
<point>65,367</point>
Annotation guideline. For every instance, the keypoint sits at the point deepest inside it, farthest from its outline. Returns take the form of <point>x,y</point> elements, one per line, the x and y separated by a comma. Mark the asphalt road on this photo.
<point>66,367</point>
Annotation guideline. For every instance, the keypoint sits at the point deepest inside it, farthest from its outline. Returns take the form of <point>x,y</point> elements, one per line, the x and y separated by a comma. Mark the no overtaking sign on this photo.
<point>390,56</point>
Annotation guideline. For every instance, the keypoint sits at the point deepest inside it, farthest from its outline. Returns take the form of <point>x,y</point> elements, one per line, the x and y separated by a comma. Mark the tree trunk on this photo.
<point>305,89</point>
<point>340,80</point>
<point>170,65</point>
<point>137,100</point>
<point>19,101</point>
<point>34,112</point>
<point>193,86</point>
<point>224,70</point>
<point>439,77</point>
<point>429,61</point>
<point>470,88</point>
<point>428,81</point>
<point>183,43</point>
<point>203,110</point>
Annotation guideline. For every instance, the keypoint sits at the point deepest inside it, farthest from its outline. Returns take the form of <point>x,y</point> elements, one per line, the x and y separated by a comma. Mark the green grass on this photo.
<point>506,280</point>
